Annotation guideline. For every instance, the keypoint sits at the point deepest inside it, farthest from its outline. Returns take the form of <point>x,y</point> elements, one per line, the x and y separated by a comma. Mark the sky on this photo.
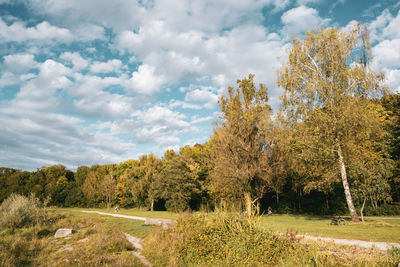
<point>99,82</point>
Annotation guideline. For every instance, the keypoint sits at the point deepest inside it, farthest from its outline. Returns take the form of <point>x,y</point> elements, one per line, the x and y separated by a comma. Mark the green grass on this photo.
<point>371,230</point>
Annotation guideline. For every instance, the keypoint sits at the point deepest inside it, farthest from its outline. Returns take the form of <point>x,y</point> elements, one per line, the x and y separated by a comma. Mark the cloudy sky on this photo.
<point>98,81</point>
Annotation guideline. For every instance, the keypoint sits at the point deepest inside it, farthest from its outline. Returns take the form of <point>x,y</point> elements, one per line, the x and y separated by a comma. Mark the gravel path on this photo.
<point>116,215</point>
<point>136,242</point>
<point>350,242</point>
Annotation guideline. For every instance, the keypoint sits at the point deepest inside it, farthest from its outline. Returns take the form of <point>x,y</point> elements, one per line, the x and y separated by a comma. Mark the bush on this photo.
<point>391,209</point>
<point>18,211</point>
<point>225,240</point>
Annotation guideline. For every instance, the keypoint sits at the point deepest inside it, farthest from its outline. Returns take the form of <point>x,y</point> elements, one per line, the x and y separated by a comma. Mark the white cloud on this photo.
<point>161,125</point>
<point>19,63</point>
<point>203,95</point>
<point>300,19</point>
<point>385,34</point>
<point>196,119</point>
<point>113,65</point>
<point>18,32</point>
<point>146,81</point>
<point>393,79</point>
<point>182,104</point>
<point>75,58</point>
<point>387,53</point>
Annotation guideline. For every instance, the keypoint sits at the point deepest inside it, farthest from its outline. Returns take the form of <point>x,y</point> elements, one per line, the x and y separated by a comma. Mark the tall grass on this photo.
<point>18,211</point>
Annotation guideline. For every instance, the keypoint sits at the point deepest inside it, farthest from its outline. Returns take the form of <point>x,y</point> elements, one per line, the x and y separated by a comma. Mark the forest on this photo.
<point>332,148</point>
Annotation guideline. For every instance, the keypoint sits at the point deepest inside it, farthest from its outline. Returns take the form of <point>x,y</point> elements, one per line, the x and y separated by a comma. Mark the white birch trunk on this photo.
<point>349,200</point>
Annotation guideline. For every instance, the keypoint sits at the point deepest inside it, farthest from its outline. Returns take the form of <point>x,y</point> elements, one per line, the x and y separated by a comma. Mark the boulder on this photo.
<point>63,232</point>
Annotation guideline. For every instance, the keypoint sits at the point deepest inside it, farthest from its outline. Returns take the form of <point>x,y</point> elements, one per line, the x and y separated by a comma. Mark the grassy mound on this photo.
<point>224,240</point>
<point>228,240</point>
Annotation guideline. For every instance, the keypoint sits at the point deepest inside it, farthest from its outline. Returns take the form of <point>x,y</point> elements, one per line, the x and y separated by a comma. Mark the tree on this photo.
<point>327,81</point>
<point>391,103</point>
<point>143,182</point>
<point>239,142</point>
<point>177,182</point>
<point>107,187</point>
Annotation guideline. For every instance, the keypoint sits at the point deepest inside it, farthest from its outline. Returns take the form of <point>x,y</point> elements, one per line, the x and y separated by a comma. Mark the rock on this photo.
<point>86,239</point>
<point>63,232</point>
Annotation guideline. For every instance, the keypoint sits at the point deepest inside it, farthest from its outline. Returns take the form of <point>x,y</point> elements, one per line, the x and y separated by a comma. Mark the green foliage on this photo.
<point>18,211</point>
<point>387,209</point>
<point>178,182</point>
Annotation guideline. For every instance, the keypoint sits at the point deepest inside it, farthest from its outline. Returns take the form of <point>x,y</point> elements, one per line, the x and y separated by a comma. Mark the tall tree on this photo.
<point>177,181</point>
<point>327,81</point>
<point>107,187</point>
<point>240,168</point>
<point>143,183</point>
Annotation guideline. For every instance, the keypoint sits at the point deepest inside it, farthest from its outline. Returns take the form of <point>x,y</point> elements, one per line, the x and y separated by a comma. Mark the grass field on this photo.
<point>371,230</point>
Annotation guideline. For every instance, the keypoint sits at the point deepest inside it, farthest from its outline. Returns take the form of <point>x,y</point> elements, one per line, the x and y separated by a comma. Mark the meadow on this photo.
<point>373,229</point>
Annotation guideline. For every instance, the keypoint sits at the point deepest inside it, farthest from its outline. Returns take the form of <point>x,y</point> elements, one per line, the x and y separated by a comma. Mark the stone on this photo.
<point>63,232</point>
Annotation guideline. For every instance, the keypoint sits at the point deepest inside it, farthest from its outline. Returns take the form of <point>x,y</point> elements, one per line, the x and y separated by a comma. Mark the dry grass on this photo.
<point>94,243</point>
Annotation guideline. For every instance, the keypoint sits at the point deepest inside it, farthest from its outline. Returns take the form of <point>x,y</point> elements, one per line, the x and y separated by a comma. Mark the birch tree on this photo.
<point>327,81</point>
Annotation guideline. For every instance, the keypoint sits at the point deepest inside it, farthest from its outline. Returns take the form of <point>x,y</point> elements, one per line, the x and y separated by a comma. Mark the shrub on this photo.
<point>225,240</point>
<point>18,211</point>
<point>388,209</point>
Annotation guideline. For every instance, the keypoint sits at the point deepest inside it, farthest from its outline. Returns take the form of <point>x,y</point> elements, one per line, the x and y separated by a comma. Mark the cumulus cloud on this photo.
<point>19,63</point>
<point>161,125</point>
<point>113,65</point>
<point>146,81</point>
<point>75,58</point>
<point>300,19</point>
<point>18,32</point>
<point>385,34</point>
<point>203,95</point>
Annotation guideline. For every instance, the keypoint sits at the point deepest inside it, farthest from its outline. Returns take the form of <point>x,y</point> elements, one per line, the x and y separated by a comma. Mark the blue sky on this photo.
<point>98,81</point>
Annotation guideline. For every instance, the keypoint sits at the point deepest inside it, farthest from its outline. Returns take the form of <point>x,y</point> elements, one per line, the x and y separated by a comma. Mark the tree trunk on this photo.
<point>248,204</point>
<point>350,205</point>
<point>277,197</point>
<point>152,205</point>
<point>362,209</point>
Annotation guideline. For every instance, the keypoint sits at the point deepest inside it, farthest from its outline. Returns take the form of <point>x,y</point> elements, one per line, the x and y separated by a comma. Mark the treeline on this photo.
<point>333,147</point>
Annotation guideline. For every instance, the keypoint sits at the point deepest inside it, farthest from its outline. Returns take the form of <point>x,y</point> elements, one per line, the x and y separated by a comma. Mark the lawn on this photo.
<point>373,229</point>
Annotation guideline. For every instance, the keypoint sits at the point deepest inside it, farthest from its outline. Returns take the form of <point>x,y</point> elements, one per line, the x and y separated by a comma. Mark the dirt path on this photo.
<point>349,242</point>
